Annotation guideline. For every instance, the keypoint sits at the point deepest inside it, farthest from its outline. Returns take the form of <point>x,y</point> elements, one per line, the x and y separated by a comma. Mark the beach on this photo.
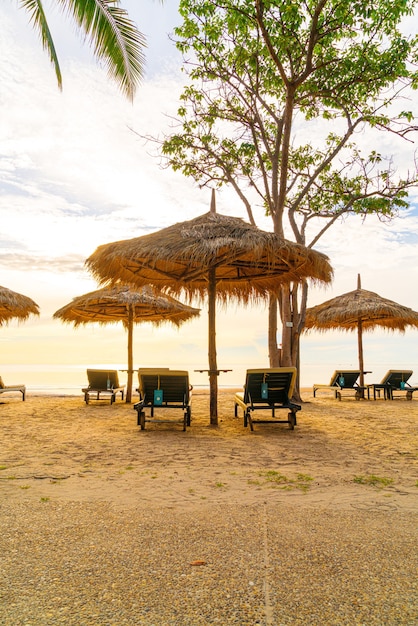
<point>102,523</point>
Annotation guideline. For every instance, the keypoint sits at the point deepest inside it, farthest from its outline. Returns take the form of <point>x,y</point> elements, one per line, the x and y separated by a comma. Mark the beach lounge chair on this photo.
<point>268,390</point>
<point>9,388</point>
<point>163,389</point>
<point>103,383</point>
<point>393,380</point>
<point>343,380</point>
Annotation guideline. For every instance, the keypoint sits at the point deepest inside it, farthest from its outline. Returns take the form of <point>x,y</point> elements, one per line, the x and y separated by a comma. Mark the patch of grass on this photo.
<point>3,467</point>
<point>274,477</point>
<point>220,485</point>
<point>24,486</point>
<point>280,481</point>
<point>45,499</point>
<point>374,481</point>
<point>304,478</point>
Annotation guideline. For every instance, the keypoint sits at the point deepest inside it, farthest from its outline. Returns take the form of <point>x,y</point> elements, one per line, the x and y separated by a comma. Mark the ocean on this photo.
<point>68,380</point>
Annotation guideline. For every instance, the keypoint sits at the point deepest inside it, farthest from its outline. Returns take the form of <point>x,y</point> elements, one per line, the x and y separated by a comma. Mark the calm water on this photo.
<point>69,380</point>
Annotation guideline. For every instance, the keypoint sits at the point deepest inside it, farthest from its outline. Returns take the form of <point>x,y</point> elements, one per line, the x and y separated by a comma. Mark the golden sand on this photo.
<point>104,524</point>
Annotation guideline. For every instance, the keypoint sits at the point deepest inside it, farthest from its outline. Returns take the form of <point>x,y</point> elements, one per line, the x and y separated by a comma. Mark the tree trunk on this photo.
<point>287,325</point>
<point>292,325</point>
<point>274,350</point>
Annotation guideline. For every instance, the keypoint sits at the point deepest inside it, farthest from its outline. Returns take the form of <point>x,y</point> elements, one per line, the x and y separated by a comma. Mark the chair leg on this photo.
<point>292,420</point>
<point>250,421</point>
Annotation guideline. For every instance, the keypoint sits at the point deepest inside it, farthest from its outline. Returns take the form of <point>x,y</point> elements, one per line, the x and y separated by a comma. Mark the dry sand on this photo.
<point>102,523</point>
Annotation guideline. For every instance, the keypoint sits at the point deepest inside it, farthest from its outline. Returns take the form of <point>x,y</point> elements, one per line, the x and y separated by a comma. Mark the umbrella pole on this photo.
<point>213,367</point>
<point>360,352</point>
<point>130,354</point>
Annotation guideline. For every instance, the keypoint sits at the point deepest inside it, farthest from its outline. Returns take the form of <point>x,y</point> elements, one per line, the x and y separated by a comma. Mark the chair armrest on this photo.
<point>239,399</point>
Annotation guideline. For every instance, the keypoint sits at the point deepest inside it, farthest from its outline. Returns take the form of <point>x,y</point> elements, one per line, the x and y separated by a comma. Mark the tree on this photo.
<point>279,92</point>
<point>115,38</point>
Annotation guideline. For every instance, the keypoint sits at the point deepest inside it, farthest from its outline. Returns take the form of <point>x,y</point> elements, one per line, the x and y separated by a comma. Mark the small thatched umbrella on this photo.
<point>214,255</point>
<point>14,305</point>
<point>360,310</point>
<point>122,303</point>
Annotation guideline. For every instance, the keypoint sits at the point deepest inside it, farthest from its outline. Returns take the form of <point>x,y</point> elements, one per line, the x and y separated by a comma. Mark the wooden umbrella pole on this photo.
<point>360,352</point>
<point>360,342</point>
<point>130,354</point>
<point>213,366</point>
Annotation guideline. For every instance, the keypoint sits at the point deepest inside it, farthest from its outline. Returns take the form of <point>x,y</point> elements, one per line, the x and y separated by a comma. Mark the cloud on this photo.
<point>75,172</point>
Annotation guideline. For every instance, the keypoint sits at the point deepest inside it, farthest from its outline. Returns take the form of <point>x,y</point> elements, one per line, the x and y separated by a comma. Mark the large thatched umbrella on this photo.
<point>360,310</point>
<point>126,304</point>
<point>15,305</point>
<point>214,255</point>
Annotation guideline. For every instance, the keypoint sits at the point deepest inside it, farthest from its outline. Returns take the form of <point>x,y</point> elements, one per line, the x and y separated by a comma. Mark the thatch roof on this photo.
<point>15,305</point>
<point>345,311</point>
<point>249,262</point>
<point>111,305</point>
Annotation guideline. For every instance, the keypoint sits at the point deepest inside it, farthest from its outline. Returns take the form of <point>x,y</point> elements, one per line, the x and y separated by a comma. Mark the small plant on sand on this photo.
<point>280,481</point>
<point>45,499</point>
<point>3,467</point>
<point>24,486</point>
<point>375,481</point>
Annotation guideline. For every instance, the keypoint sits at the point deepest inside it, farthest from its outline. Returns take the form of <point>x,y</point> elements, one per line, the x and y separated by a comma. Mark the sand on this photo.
<point>102,523</point>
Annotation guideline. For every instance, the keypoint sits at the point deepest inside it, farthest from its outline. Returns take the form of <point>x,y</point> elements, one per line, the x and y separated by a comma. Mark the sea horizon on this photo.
<point>69,380</point>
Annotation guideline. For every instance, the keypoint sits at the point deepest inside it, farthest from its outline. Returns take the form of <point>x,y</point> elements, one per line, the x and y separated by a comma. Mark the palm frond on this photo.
<point>114,37</point>
<point>38,19</point>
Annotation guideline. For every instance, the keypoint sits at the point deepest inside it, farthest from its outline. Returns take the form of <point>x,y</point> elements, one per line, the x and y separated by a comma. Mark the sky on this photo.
<point>75,173</point>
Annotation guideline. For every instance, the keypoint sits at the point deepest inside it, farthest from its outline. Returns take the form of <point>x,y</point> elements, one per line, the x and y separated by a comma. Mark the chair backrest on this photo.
<point>395,377</point>
<point>346,379</point>
<point>269,386</point>
<point>151,370</point>
<point>173,383</point>
<point>98,379</point>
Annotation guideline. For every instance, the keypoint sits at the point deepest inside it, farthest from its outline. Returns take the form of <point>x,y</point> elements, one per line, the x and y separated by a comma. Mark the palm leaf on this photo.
<point>37,17</point>
<point>114,37</point>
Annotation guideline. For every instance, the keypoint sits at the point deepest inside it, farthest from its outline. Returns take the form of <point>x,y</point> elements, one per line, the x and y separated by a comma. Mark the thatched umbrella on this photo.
<point>15,305</point>
<point>126,304</point>
<point>214,255</point>
<point>360,310</point>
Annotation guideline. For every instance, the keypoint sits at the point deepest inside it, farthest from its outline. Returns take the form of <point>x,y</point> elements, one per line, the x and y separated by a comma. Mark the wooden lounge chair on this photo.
<point>343,380</point>
<point>164,389</point>
<point>268,390</point>
<point>8,388</point>
<point>393,380</point>
<point>103,383</point>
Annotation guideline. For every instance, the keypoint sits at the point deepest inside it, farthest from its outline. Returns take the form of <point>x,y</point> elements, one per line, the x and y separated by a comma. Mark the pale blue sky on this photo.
<point>73,175</point>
